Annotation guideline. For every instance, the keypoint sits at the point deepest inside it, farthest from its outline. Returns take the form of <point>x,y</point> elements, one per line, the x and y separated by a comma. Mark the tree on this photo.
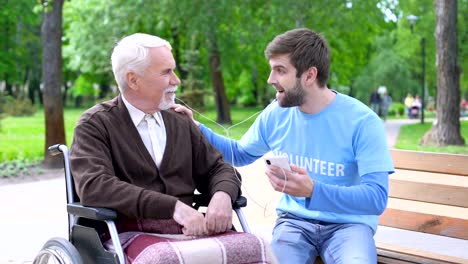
<point>51,33</point>
<point>217,80</point>
<point>231,37</point>
<point>446,131</point>
<point>20,47</point>
<point>213,24</point>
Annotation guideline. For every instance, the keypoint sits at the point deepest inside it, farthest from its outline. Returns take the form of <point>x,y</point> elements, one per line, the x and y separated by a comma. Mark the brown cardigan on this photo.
<point>112,167</point>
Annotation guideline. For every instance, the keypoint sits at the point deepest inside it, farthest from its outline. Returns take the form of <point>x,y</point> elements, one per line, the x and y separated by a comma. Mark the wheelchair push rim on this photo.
<point>58,250</point>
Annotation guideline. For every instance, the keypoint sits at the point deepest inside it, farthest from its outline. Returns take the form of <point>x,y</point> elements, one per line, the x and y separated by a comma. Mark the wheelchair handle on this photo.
<point>56,149</point>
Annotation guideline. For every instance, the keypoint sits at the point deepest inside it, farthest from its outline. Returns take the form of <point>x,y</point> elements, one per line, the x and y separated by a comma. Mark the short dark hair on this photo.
<point>306,49</point>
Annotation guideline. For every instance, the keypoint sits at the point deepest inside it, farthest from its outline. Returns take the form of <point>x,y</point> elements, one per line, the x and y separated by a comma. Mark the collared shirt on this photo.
<point>138,118</point>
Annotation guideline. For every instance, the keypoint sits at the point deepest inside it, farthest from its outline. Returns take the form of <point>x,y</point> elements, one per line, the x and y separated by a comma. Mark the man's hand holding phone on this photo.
<point>279,161</point>
<point>288,178</point>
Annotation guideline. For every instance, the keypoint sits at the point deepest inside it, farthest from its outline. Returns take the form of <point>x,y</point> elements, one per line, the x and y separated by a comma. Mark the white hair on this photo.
<point>131,54</point>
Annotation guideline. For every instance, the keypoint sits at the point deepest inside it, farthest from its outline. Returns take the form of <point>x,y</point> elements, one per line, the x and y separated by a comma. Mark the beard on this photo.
<point>167,103</point>
<point>293,97</point>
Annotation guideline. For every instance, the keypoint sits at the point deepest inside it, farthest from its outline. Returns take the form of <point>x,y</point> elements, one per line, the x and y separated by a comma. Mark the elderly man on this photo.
<point>134,155</point>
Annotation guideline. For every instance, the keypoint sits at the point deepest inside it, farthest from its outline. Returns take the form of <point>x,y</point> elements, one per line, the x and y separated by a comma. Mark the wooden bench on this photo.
<point>428,194</point>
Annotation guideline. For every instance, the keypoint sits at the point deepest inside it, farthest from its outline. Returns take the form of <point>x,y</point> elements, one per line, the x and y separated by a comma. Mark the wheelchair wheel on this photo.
<point>58,250</point>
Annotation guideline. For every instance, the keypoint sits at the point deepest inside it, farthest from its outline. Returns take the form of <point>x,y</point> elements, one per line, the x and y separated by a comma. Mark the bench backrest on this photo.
<point>428,193</point>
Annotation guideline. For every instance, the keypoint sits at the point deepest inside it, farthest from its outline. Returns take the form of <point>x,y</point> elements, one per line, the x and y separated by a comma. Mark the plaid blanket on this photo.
<point>174,247</point>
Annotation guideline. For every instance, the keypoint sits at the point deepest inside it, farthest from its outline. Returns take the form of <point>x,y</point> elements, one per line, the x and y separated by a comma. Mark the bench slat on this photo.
<point>432,162</point>
<point>426,223</point>
<point>382,258</point>
<point>430,177</point>
<point>394,254</point>
<point>429,192</point>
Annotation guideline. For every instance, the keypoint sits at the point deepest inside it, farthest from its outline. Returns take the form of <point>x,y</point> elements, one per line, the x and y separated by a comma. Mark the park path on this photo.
<point>392,129</point>
<point>34,212</point>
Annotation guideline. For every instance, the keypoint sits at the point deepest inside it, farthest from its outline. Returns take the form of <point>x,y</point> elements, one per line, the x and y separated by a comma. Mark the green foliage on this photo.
<point>462,40</point>
<point>83,86</point>
<point>396,109</point>
<point>193,93</point>
<point>45,6</point>
<point>368,49</point>
<point>410,135</point>
<point>243,91</point>
<point>16,167</point>
<point>195,26</point>
<point>408,44</point>
<point>193,98</point>
<point>19,41</point>
<point>351,36</point>
<point>386,68</point>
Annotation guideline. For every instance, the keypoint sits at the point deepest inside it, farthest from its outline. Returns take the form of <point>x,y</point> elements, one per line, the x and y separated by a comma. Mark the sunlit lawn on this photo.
<point>24,137</point>
<point>411,134</point>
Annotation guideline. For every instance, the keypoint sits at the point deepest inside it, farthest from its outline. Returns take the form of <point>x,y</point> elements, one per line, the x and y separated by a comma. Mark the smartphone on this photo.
<point>280,161</point>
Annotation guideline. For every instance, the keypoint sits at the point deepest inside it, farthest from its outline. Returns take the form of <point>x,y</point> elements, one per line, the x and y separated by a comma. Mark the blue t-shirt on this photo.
<point>343,148</point>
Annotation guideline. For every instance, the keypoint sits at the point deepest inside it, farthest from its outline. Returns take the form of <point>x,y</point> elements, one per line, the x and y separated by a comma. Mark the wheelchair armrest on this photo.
<point>203,201</point>
<point>93,213</point>
<point>241,201</point>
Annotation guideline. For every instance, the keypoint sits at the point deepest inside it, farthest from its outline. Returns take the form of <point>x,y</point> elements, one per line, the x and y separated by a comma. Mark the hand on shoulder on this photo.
<point>184,110</point>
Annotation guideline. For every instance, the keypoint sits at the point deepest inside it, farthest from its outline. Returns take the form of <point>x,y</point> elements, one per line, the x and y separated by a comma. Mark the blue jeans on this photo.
<point>296,240</point>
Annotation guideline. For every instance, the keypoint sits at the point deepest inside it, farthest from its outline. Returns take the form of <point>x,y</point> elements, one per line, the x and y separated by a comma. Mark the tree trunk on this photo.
<point>8,86</point>
<point>6,77</point>
<point>446,130</point>
<point>35,89</point>
<point>51,33</point>
<point>78,101</point>
<point>217,81</point>
<point>36,70</point>
<point>66,88</point>
<point>104,90</point>
<point>178,55</point>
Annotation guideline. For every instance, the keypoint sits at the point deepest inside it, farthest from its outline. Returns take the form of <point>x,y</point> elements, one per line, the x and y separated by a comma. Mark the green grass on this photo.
<point>410,135</point>
<point>23,138</point>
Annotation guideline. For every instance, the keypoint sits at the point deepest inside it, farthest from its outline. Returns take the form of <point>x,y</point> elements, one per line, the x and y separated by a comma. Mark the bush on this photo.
<point>2,106</point>
<point>19,107</point>
<point>3,100</point>
<point>15,167</point>
<point>396,109</point>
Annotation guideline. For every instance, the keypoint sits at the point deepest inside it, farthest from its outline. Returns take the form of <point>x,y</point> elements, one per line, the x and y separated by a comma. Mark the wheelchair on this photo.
<point>85,224</point>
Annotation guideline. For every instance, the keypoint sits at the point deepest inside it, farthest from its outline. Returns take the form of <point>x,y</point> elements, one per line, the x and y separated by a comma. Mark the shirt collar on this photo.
<point>137,115</point>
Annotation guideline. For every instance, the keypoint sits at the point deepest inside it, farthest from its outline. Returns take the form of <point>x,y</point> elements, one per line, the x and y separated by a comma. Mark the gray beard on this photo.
<point>166,104</point>
<point>294,96</point>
